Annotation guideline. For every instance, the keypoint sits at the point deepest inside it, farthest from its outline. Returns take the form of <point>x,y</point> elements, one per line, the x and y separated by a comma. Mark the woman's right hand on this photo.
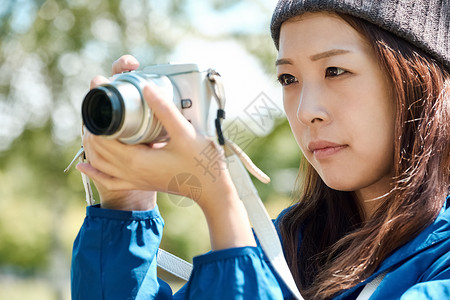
<point>126,199</point>
<point>117,168</point>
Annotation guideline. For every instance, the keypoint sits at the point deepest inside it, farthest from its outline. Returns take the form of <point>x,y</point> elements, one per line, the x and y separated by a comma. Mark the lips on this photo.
<point>325,149</point>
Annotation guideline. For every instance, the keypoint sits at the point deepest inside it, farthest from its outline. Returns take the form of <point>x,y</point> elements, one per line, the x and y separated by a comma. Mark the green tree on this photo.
<point>49,50</point>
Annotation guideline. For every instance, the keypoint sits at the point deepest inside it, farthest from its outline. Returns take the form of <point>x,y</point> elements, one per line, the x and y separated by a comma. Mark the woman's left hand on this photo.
<point>118,166</point>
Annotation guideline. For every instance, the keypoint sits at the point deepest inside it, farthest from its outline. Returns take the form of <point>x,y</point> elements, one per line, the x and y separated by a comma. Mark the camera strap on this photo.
<point>80,156</point>
<point>215,83</point>
<point>238,164</point>
<point>263,226</point>
<point>262,223</point>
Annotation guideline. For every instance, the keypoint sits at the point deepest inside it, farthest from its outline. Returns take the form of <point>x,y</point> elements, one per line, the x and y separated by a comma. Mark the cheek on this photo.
<point>373,140</point>
<point>385,145</point>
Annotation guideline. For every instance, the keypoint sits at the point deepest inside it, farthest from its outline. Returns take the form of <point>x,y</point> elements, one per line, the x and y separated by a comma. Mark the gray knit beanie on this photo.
<point>423,23</point>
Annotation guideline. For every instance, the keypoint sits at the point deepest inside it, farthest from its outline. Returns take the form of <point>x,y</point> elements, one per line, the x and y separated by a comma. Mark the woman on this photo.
<point>366,91</point>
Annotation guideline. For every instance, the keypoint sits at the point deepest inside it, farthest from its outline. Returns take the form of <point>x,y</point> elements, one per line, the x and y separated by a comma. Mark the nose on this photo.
<point>312,109</point>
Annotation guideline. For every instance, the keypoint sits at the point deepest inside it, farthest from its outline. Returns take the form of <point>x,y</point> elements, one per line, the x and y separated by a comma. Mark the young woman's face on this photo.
<point>338,103</point>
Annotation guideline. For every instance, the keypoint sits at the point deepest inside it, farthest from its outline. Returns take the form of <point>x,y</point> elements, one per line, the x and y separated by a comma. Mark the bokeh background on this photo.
<point>49,51</point>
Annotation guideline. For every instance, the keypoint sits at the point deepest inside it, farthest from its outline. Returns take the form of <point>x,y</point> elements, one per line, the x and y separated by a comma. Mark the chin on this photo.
<point>339,185</point>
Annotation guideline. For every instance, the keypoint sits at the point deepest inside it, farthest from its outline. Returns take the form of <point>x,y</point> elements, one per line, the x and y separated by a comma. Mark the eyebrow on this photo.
<point>315,57</point>
<point>283,61</point>
<point>328,53</point>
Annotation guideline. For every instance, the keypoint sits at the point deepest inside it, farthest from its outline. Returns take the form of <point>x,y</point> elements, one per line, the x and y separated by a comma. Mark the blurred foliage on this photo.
<point>49,51</point>
<point>277,154</point>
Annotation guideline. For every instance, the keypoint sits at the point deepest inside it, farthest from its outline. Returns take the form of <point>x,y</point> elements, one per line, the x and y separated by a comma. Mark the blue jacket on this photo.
<point>114,257</point>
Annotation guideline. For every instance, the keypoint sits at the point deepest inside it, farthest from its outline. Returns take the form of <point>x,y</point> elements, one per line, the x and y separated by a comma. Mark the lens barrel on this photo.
<point>117,110</point>
<point>103,110</point>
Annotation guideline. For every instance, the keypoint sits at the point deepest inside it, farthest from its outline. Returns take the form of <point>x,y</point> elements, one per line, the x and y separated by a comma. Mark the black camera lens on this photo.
<point>103,110</point>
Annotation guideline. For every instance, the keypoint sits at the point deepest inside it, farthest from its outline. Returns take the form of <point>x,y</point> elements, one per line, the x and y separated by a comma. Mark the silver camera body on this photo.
<point>118,110</point>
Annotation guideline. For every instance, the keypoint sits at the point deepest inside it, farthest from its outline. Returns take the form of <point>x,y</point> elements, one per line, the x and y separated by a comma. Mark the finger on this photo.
<point>108,149</point>
<point>98,80</point>
<point>115,158</point>
<point>125,63</point>
<point>167,113</point>
<point>103,154</point>
<point>88,144</point>
<point>97,161</point>
<point>92,150</point>
<point>109,182</point>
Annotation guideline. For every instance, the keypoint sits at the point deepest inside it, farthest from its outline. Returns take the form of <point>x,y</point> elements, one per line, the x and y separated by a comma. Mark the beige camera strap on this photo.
<point>370,287</point>
<point>256,211</point>
<point>173,264</point>
<point>261,222</point>
<point>259,218</point>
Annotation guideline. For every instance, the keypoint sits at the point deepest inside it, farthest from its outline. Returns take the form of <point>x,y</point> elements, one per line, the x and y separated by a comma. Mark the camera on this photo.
<point>118,110</point>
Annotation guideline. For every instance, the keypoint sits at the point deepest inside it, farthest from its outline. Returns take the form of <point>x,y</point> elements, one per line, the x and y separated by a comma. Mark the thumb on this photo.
<point>166,111</point>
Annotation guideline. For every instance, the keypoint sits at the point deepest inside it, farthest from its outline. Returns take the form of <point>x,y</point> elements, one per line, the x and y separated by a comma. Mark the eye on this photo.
<point>334,71</point>
<point>286,79</point>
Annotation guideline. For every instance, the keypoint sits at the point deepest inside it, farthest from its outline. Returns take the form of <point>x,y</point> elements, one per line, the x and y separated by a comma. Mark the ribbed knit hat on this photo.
<point>423,23</point>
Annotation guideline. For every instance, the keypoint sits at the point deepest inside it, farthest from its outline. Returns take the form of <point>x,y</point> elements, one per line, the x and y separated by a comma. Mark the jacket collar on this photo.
<point>436,232</point>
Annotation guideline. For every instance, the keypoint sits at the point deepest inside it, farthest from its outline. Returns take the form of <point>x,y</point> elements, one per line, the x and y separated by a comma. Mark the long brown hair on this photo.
<point>338,248</point>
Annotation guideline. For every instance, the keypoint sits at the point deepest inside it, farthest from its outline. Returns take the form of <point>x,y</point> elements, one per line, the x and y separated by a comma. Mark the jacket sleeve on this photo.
<point>114,257</point>
<point>235,273</point>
